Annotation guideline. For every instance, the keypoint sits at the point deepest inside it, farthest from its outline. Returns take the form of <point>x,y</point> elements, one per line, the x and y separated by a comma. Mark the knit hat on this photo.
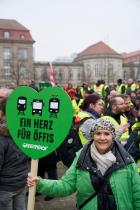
<point>105,124</point>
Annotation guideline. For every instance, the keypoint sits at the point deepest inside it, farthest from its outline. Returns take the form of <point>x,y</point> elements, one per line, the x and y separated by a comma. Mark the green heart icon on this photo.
<point>39,121</point>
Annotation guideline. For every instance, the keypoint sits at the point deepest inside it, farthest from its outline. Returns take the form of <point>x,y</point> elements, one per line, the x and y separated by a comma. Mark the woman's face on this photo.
<point>98,107</point>
<point>102,140</point>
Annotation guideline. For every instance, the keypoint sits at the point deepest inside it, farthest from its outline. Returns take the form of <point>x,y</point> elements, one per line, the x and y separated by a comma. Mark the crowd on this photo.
<point>105,171</point>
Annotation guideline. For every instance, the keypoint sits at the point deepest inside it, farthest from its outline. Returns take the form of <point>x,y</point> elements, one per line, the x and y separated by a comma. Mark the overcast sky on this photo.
<point>63,27</point>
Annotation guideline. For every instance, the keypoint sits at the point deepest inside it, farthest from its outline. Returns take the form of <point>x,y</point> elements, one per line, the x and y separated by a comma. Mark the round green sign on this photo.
<point>39,121</point>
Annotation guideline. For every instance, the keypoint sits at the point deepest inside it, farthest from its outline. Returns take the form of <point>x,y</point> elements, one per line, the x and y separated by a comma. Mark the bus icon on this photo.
<point>21,104</point>
<point>37,106</point>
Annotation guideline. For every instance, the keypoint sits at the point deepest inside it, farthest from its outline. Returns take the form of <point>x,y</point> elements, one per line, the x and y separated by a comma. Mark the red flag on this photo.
<point>52,80</point>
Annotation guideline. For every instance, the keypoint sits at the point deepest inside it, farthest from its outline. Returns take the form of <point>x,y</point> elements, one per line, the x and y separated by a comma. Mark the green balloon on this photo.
<point>39,121</point>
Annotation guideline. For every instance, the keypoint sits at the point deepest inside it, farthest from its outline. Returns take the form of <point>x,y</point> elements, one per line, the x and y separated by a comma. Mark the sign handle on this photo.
<point>32,190</point>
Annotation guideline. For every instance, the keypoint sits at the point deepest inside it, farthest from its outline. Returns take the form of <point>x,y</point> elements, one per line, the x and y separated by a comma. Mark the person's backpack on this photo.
<point>72,143</point>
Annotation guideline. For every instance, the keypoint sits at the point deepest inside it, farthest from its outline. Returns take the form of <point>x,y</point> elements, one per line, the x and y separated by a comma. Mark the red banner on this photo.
<point>52,80</point>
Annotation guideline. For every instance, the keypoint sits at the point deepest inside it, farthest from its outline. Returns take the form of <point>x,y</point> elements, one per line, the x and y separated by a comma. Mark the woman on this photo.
<point>92,108</point>
<point>103,174</point>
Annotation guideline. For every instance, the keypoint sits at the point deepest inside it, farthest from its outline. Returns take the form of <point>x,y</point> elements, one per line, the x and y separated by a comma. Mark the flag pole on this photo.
<point>52,79</point>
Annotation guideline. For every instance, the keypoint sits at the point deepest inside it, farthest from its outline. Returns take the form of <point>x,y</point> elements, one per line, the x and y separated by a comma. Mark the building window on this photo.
<point>60,75</point>
<point>7,53</point>
<point>110,70</point>
<point>125,75</point>
<point>23,74</point>
<point>7,72</point>
<point>6,35</point>
<point>22,54</point>
<point>96,70</point>
<point>79,76</point>
<point>22,37</point>
<point>88,67</point>
<point>88,70</point>
<point>70,76</point>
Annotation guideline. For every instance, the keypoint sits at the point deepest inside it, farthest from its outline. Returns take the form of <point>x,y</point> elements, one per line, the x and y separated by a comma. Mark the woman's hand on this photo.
<point>32,181</point>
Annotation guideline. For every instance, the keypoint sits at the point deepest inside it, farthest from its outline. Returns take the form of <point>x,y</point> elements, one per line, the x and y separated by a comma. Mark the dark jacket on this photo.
<point>13,163</point>
<point>133,144</point>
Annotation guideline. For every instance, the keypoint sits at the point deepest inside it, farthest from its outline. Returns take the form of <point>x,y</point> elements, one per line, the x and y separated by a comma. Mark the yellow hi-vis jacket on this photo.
<point>138,162</point>
<point>133,87</point>
<point>99,89</point>
<point>119,88</point>
<point>135,126</point>
<point>76,106</point>
<point>123,121</point>
<point>81,115</point>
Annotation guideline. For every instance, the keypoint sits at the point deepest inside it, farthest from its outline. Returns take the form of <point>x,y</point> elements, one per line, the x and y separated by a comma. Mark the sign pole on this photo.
<point>32,190</point>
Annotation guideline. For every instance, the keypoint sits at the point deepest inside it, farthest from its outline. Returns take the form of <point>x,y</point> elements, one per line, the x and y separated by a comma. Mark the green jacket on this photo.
<point>124,182</point>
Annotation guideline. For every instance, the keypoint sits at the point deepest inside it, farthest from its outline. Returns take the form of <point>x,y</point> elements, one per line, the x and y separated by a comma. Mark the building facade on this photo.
<point>101,62</point>
<point>16,53</point>
<point>97,62</point>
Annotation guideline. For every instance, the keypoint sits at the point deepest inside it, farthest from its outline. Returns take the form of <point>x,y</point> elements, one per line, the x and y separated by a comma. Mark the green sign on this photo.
<point>43,85</point>
<point>39,121</point>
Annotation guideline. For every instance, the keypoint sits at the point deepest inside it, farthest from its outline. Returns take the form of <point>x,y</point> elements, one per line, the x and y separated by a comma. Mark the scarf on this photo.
<point>93,113</point>
<point>103,161</point>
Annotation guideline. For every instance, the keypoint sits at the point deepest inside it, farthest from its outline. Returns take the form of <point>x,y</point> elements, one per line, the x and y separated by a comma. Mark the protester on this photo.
<point>91,108</point>
<point>120,87</point>
<point>111,95</point>
<point>13,169</point>
<point>70,91</point>
<point>130,86</point>
<point>115,114</point>
<point>129,111</point>
<point>76,103</point>
<point>133,144</point>
<point>99,88</point>
<point>103,174</point>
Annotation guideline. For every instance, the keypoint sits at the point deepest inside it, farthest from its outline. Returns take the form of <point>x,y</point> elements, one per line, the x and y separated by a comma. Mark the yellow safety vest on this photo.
<point>138,165</point>
<point>82,115</point>
<point>123,121</point>
<point>133,87</point>
<point>138,161</point>
<point>104,90</point>
<point>76,106</point>
<point>99,89</point>
<point>82,91</point>
<point>119,88</point>
<point>135,126</point>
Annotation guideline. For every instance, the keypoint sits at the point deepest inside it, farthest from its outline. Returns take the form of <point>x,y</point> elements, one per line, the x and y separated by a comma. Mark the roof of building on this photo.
<point>131,54</point>
<point>18,33</point>
<point>99,48</point>
<point>131,57</point>
<point>12,25</point>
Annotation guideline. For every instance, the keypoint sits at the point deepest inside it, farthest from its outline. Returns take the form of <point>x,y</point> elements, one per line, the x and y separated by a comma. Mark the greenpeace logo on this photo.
<point>34,146</point>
